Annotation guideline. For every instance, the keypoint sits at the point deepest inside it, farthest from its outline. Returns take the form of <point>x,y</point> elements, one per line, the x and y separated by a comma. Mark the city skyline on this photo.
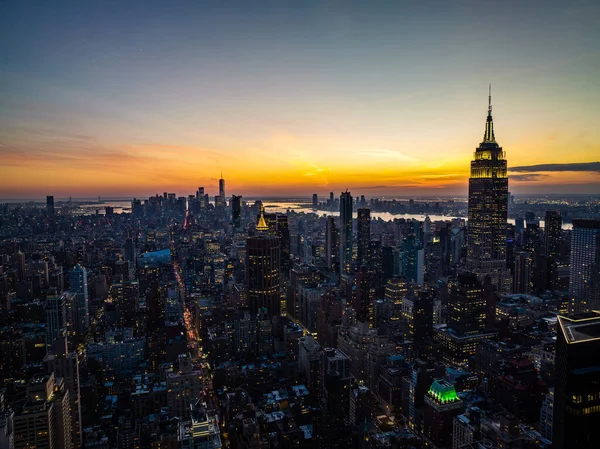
<point>121,100</point>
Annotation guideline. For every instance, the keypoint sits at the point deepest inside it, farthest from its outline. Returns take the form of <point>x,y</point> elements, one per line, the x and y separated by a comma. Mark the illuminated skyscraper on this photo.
<point>488,202</point>
<point>345,232</point>
<point>585,265</point>
<point>466,306</point>
<point>262,271</point>
<point>363,231</point>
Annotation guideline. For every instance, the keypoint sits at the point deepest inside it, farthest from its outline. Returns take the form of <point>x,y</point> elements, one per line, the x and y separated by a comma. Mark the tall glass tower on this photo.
<point>488,202</point>
<point>345,232</point>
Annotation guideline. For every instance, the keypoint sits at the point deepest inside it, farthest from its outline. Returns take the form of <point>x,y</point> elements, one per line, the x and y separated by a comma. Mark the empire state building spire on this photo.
<point>489,137</point>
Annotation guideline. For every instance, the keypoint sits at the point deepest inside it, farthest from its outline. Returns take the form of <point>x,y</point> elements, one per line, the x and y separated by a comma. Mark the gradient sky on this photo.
<point>118,98</point>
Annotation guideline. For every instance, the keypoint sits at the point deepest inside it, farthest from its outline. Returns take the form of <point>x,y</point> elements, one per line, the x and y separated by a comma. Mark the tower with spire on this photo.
<point>488,203</point>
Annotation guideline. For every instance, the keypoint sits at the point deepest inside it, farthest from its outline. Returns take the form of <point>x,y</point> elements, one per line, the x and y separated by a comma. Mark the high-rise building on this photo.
<point>64,364</point>
<point>200,197</point>
<point>79,286</point>
<point>584,282</point>
<point>57,316</point>
<point>522,279</point>
<point>262,273</point>
<point>577,377</point>
<point>363,232</point>
<point>417,311</point>
<point>467,306</point>
<point>553,234</point>
<point>43,420</point>
<point>413,259</point>
<point>315,201</point>
<point>222,186</point>
<point>236,211</point>
<point>50,205</point>
<point>345,232</point>
<point>130,256</point>
<point>332,244</point>
<point>488,202</point>
<point>441,406</point>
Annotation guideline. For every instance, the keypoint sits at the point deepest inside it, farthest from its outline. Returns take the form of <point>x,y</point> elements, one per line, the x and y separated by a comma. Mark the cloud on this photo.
<point>528,177</point>
<point>577,166</point>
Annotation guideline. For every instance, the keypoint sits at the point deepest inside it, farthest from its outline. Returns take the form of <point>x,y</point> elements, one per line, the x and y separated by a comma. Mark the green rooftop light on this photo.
<point>443,391</point>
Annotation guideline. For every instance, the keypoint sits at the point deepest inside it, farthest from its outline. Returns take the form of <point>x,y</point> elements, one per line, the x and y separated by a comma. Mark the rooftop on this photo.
<point>580,328</point>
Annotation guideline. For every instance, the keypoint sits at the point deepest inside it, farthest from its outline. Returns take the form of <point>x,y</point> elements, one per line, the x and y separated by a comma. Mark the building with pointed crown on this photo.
<point>488,203</point>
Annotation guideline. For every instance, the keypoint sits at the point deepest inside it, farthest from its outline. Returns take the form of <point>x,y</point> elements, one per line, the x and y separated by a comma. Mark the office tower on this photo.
<point>440,407</point>
<point>57,316</point>
<point>577,377</point>
<point>332,429</point>
<point>309,359</point>
<point>332,243</point>
<point>522,278</point>
<point>283,232</point>
<point>50,205</point>
<point>64,363</point>
<point>78,286</point>
<point>417,311</point>
<point>415,387</point>
<point>262,273</point>
<point>553,234</point>
<point>396,289</point>
<point>236,211</point>
<point>466,306</point>
<point>488,202</point>
<point>363,234</point>
<point>315,201</point>
<point>345,232</point>
<point>584,285</point>
<point>331,199</point>
<point>43,420</point>
<point>201,198</point>
<point>413,259</point>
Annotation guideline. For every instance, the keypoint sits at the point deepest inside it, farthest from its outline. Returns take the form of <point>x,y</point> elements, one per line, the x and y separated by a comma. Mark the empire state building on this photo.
<point>488,202</point>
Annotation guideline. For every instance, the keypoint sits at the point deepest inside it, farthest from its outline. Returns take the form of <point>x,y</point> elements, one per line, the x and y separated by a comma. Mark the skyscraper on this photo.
<point>345,232</point>
<point>331,245</point>
<point>236,211</point>
<point>584,285</point>
<point>488,202</point>
<point>50,205</point>
<point>522,275</point>
<point>553,234</point>
<point>79,286</point>
<point>363,231</point>
<point>577,390</point>
<point>57,316</point>
<point>315,201</point>
<point>222,186</point>
<point>466,306</point>
<point>262,273</point>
